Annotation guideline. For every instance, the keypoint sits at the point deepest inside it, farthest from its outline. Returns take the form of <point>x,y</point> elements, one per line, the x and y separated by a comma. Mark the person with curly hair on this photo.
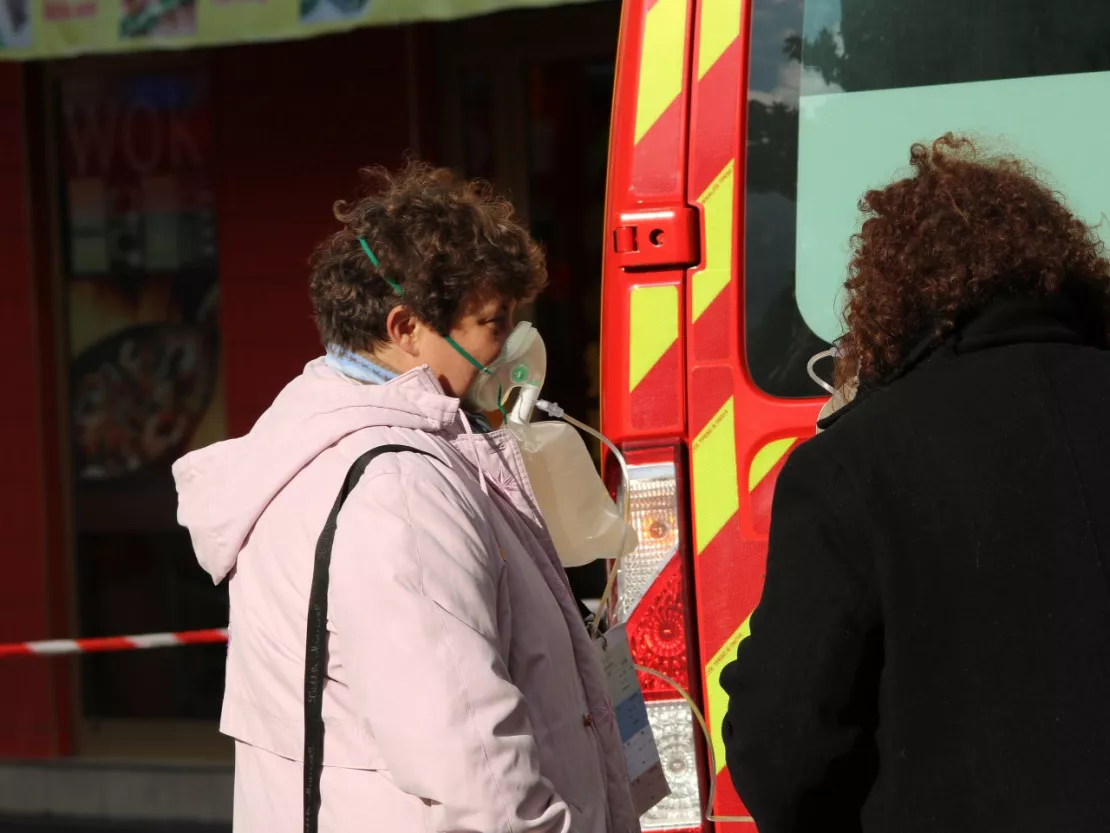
<point>932,648</point>
<point>447,682</point>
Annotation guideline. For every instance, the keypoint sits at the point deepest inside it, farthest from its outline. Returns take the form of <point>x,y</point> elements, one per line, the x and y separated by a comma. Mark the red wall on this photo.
<point>31,726</point>
<point>294,123</point>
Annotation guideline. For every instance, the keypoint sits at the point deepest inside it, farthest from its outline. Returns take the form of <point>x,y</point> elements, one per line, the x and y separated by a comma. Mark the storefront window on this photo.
<point>141,294</point>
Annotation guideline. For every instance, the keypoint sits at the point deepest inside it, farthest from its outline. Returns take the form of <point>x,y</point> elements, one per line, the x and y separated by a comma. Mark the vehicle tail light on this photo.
<point>651,597</point>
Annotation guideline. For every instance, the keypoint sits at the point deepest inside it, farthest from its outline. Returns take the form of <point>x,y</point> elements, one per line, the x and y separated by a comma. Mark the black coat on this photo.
<point>932,648</point>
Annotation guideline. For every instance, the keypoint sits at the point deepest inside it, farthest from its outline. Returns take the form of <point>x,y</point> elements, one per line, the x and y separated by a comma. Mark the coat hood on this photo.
<point>224,488</point>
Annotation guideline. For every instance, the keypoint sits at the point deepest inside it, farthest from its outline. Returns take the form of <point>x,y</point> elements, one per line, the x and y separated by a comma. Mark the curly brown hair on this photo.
<point>936,248</point>
<point>445,241</point>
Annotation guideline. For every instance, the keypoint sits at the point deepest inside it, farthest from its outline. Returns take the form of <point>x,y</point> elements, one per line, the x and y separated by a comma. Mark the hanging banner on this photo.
<point>58,28</point>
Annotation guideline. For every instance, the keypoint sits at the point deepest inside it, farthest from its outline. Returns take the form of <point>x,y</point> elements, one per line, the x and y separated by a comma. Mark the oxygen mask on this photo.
<point>838,397</point>
<point>521,365</point>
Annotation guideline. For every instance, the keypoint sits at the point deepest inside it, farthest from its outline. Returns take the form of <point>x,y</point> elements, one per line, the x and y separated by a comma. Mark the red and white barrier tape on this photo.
<point>142,641</point>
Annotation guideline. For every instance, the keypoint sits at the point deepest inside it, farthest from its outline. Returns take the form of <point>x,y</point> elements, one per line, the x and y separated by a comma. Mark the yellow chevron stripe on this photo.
<point>766,459</point>
<point>717,210</point>
<point>661,62</point>
<point>716,493</point>
<point>652,330</point>
<point>720,26</point>
<point>715,698</point>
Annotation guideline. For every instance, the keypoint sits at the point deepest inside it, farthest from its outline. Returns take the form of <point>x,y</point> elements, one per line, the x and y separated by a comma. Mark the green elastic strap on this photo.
<point>374,259</point>
<point>481,369</point>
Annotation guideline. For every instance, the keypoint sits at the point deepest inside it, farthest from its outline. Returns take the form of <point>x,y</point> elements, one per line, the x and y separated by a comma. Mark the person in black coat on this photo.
<point>932,648</point>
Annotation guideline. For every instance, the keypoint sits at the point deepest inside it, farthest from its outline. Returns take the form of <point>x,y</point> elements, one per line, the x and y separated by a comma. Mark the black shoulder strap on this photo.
<point>315,655</point>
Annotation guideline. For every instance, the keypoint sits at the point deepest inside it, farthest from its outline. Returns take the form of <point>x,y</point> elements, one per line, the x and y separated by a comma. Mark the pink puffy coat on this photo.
<point>462,690</point>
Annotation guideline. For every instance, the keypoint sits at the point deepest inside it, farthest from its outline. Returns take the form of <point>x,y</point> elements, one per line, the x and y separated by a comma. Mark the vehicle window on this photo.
<point>839,89</point>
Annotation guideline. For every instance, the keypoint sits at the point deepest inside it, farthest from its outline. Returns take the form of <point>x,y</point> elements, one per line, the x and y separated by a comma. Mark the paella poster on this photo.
<point>141,290</point>
<point>57,28</point>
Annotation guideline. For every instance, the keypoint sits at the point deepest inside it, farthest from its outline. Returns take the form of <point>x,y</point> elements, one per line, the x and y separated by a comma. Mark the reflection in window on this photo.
<point>806,54</point>
<point>144,371</point>
<point>778,341</point>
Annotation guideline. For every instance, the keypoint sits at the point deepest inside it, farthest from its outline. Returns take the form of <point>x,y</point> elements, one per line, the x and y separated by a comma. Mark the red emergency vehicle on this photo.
<point>744,133</point>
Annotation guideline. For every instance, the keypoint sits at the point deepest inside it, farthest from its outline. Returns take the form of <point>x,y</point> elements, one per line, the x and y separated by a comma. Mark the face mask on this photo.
<point>838,397</point>
<point>522,363</point>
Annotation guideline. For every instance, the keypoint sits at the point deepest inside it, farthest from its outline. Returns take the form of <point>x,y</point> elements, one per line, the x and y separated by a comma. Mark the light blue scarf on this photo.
<point>361,369</point>
<point>357,366</point>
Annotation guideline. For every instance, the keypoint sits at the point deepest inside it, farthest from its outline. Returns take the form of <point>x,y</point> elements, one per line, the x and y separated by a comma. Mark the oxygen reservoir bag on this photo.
<point>584,523</point>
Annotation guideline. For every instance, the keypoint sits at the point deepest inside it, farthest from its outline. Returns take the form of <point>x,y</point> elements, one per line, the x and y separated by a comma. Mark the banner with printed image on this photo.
<point>58,28</point>
<point>141,291</point>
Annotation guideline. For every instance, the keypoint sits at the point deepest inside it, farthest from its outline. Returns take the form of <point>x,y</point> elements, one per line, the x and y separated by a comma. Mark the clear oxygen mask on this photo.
<point>521,366</point>
<point>838,397</point>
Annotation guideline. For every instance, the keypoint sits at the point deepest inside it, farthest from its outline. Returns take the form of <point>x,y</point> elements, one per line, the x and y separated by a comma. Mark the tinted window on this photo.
<point>839,89</point>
